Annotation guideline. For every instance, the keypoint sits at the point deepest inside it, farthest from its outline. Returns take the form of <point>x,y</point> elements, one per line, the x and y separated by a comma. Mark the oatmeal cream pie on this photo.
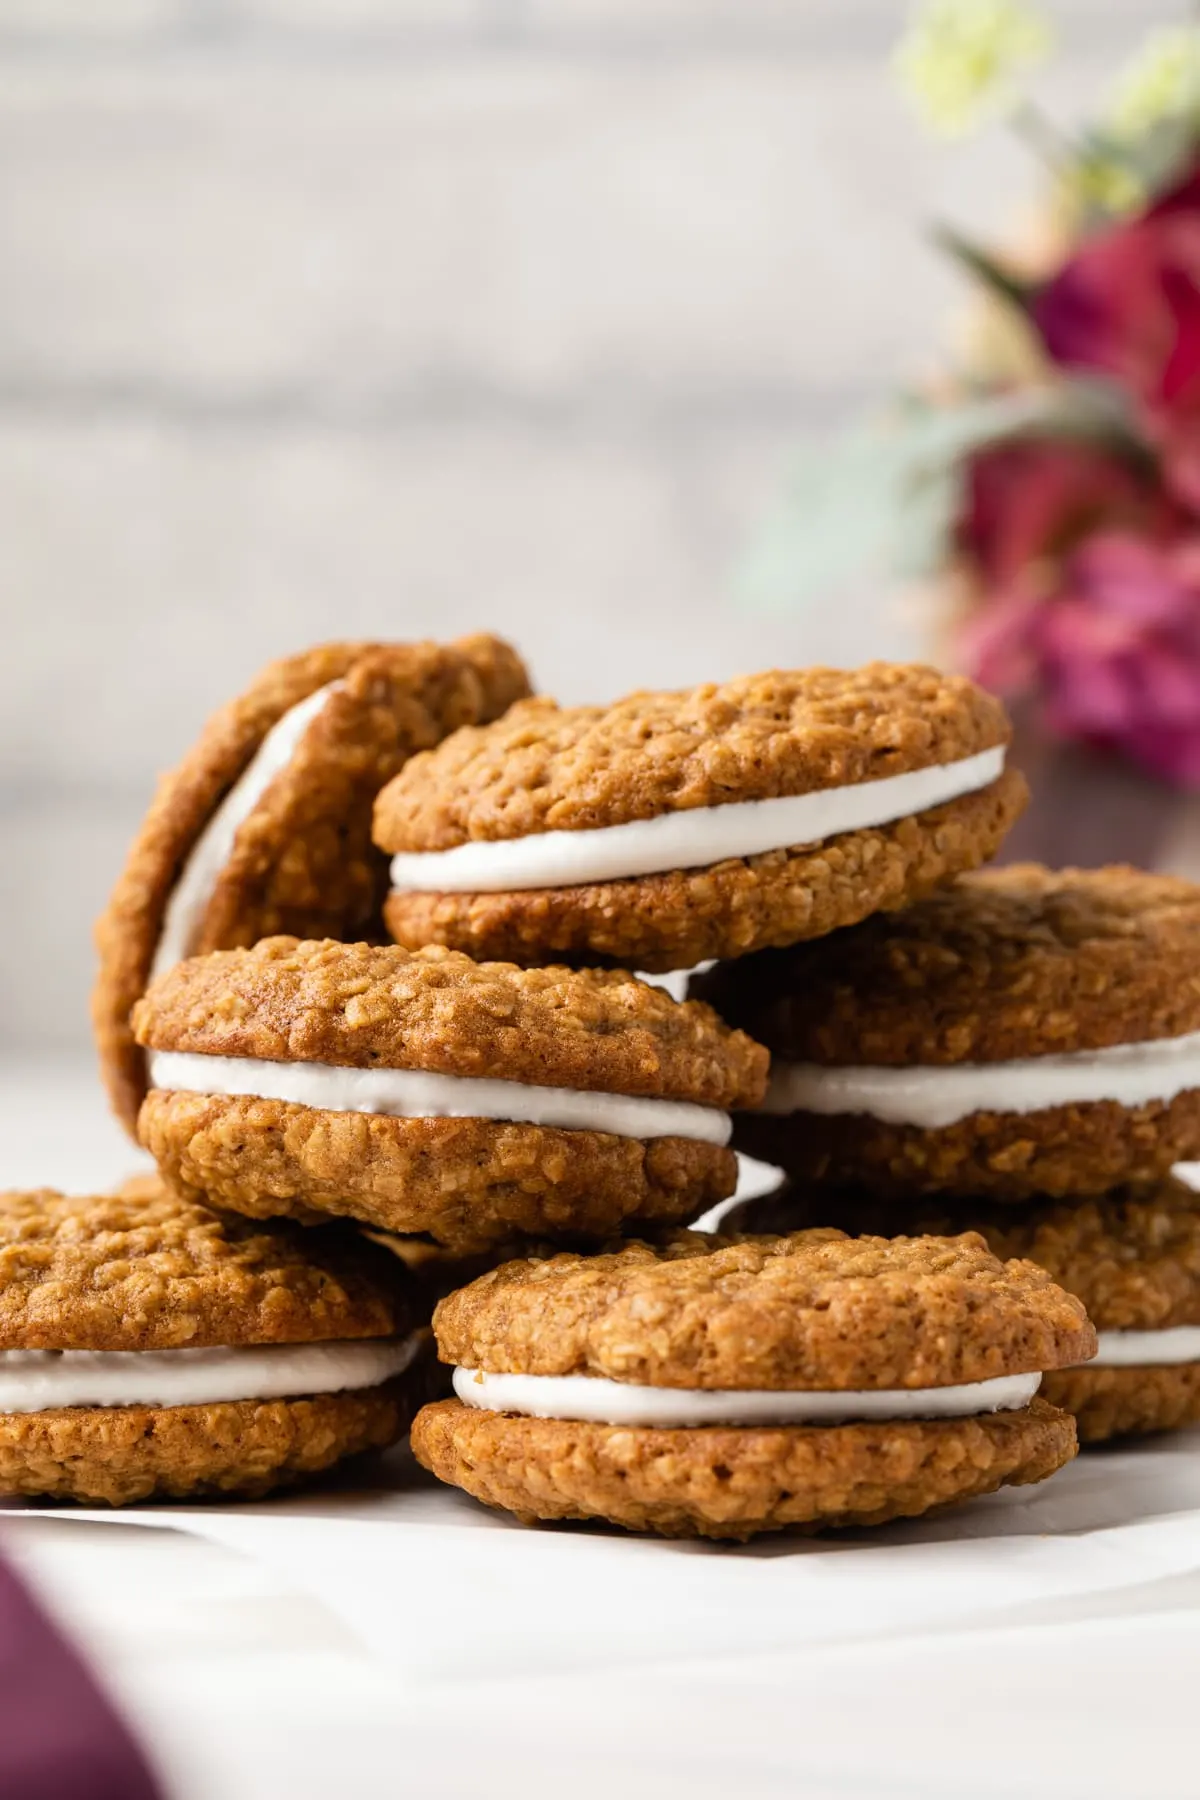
<point>1132,1256</point>
<point>422,1092</point>
<point>150,1348</point>
<point>719,1388</point>
<point>670,828</point>
<point>266,824</point>
<point>1025,1032</point>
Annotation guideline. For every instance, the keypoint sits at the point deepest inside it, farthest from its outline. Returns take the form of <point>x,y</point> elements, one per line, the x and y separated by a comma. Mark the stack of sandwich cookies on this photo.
<point>426,1093</point>
<point>721,1389</point>
<point>1022,1033</point>
<point>672,828</point>
<point>150,1348</point>
<point>266,824</point>
<point>1131,1256</point>
<point>1134,1260</point>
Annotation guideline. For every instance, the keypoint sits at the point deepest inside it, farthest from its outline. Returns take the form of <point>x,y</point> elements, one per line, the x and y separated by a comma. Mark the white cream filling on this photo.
<point>184,912</point>
<point>36,1380</point>
<point>1142,1349</point>
<point>595,1400</point>
<point>931,1097</point>
<point>692,839</point>
<point>420,1094</point>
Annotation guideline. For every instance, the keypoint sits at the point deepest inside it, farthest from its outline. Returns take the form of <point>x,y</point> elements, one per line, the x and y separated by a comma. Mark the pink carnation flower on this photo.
<point>1113,652</point>
<point>1128,303</point>
<point>1034,498</point>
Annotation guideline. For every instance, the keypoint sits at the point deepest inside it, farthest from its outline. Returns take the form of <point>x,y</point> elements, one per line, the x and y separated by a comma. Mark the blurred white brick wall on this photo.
<point>415,316</point>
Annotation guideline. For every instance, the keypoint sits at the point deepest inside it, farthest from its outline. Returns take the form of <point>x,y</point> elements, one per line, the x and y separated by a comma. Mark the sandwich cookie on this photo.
<point>1023,1033</point>
<point>1131,1256</point>
<point>152,1349</point>
<point>718,1389</point>
<point>670,828</point>
<point>426,1093</point>
<point>266,824</point>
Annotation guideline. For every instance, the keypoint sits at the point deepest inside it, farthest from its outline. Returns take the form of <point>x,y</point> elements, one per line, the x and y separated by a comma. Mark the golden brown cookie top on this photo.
<point>368,1006</point>
<point>140,1270</point>
<point>303,860</point>
<point>1132,1255</point>
<point>549,768</point>
<point>1014,962</point>
<point>815,1310</point>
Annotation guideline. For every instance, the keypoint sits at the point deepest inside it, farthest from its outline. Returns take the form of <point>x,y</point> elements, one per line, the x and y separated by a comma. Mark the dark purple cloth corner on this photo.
<point>59,1736</point>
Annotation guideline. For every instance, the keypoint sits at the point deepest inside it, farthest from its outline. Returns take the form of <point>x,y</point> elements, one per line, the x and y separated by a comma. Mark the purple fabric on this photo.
<point>59,1736</point>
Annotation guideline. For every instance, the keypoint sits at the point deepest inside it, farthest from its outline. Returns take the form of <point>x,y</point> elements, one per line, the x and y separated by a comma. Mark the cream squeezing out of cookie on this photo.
<point>694,838</point>
<point>213,848</point>
<point>1147,1349</point>
<point>38,1380</point>
<point>426,1094</point>
<point>596,1400</point>
<point>932,1096</point>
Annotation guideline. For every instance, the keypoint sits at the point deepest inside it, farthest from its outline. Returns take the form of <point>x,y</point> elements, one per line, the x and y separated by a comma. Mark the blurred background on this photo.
<point>409,317</point>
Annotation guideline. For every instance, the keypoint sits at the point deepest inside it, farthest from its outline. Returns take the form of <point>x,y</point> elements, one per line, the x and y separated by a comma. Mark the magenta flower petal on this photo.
<point>1113,650</point>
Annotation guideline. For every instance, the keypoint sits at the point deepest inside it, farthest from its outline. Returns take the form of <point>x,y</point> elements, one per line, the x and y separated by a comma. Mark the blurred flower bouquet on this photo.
<point>1047,489</point>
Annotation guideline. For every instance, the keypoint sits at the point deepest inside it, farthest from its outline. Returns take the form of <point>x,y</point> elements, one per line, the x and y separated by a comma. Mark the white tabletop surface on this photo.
<point>393,1638</point>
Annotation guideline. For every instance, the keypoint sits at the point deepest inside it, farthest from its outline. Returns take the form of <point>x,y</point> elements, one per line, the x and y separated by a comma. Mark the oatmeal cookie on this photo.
<point>151,1348</point>
<point>669,828</point>
<point>243,1449</point>
<point>729,1483</point>
<point>1109,1403</point>
<point>423,1093</point>
<point>813,1309</point>
<point>661,922</point>
<point>719,1388</point>
<point>1131,1256</point>
<point>266,824</point>
<point>1022,1033</point>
